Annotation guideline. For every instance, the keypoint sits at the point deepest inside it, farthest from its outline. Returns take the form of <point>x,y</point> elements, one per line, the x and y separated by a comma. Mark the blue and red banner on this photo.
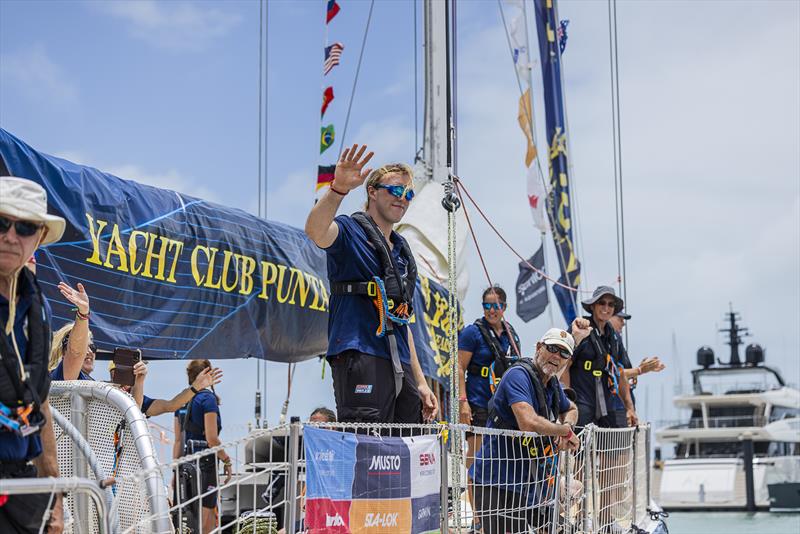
<point>359,483</point>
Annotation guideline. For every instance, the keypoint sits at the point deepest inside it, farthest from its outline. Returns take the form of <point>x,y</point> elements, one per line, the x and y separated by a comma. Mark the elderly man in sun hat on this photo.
<point>514,477</point>
<point>27,444</point>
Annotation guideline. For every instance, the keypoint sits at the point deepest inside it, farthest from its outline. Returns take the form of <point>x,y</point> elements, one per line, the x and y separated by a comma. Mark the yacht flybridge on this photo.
<point>740,448</point>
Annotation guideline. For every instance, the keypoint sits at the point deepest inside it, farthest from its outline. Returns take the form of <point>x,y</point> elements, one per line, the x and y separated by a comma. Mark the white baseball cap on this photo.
<point>559,337</point>
<point>26,200</point>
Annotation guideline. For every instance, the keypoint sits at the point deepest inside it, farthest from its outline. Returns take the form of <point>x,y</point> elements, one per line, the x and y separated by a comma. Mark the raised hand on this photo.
<point>581,328</point>
<point>350,172</point>
<point>210,376</point>
<point>651,365</point>
<point>139,371</point>
<point>77,297</point>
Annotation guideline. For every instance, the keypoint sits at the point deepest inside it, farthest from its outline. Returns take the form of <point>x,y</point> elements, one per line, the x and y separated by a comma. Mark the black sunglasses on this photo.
<point>65,342</point>
<point>23,228</point>
<point>555,349</point>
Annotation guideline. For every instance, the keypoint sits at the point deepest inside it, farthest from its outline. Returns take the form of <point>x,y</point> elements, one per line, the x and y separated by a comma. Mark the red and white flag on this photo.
<point>537,198</point>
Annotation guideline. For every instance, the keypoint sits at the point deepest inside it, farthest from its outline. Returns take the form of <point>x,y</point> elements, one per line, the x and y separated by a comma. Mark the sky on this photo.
<point>167,93</point>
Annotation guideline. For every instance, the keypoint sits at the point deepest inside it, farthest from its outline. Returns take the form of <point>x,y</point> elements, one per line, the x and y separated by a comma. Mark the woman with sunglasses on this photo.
<point>595,369</point>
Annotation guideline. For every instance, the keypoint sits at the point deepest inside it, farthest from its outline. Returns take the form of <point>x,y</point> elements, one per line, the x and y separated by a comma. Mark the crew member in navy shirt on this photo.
<point>24,350</point>
<point>363,372</point>
<point>197,427</point>
<point>514,477</point>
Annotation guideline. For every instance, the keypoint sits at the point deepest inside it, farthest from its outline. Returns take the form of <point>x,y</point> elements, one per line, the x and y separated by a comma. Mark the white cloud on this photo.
<point>170,179</point>
<point>31,70</point>
<point>176,26</point>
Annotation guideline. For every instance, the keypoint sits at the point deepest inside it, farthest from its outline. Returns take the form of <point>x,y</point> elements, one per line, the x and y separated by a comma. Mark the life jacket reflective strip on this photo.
<point>15,393</point>
<point>500,362</point>
<point>400,288</point>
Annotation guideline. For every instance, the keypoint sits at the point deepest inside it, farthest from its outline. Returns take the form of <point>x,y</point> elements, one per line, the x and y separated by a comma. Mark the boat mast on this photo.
<point>436,125</point>
<point>735,335</point>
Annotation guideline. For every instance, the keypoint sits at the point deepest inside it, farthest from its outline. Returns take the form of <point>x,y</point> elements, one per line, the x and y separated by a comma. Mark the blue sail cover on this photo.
<point>182,278</point>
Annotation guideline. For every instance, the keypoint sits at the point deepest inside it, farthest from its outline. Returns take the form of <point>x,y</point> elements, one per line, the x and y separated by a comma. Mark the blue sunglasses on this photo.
<point>397,191</point>
<point>494,306</point>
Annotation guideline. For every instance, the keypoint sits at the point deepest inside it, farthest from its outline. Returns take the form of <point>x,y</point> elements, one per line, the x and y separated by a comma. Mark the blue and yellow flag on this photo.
<point>558,201</point>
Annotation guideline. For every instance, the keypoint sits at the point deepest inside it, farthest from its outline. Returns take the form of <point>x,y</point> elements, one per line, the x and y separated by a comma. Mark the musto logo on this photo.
<point>334,520</point>
<point>384,520</point>
<point>388,464</point>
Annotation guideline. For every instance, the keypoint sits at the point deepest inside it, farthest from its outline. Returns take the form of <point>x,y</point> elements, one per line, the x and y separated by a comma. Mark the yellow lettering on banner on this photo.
<point>178,245</point>
<point>95,235</point>
<point>115,247</point>
<point>212,254</point>
<point>226,263</point>
<point>320,302</point>
<point>160,257</point>
<point>551,35</point>
<point>198,278</point>
<point>441,307</point>
<point>248,266</point>
<point>269,273</point>
<point>299,283</point>
<point>281,272</point>
<point>133,249</point>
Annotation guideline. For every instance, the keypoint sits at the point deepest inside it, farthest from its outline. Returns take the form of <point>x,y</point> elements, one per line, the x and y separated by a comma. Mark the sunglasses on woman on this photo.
<point>494,306</point>
<point>23,228</point>
<point>397,191</point>
<point>555,349</point>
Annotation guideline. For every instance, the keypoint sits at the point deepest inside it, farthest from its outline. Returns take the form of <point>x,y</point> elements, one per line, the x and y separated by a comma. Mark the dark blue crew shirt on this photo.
<point>58,373</point>
<point>353,320</point>
<point>146,403</point>
<point>581,376</point>
<point>202,403</point>
<point>471,340</point>
<point>498,462</point>
<point>12,446</point>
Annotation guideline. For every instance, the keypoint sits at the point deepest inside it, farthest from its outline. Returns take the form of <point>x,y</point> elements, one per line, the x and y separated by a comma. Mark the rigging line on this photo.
<point>260,124</point>
<point>619,148</point>
<point>266,109</point>
<point>472,233</point>
<point>460,183</point>
<point>355,79</point>
<point>614,141</point>
<point>454,86</point>
<point>416,86</point>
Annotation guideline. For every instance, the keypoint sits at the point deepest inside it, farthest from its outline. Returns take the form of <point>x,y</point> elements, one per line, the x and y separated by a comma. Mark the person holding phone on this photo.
<point>199,424</point>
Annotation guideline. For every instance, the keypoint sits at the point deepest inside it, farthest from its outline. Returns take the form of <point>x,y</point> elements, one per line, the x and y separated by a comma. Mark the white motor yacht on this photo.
<point>740,449</point>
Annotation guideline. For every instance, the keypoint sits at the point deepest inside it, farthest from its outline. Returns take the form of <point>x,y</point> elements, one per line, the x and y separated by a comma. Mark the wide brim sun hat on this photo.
<point>26,200</point>
<point>599,292</point>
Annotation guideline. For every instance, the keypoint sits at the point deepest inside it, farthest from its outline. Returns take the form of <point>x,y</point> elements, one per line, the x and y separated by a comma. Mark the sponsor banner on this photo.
<point>425,513</point>
<point>531,287</point>
<point>425,465</point>
<point>325,515</point>
<point>180,278</point>
<point>382,469</point>
<point>330,457</point>
<point>380,515</point>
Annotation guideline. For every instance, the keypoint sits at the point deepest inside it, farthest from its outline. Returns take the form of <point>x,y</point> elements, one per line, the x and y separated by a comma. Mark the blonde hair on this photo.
<point>56,350</point>
<point>377,175</point>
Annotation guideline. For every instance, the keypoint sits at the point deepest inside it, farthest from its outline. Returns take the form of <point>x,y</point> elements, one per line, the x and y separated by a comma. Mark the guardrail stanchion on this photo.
<point>291,479</point>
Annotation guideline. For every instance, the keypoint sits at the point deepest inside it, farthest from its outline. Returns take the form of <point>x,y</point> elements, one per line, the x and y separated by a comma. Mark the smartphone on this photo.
<point>124,360</point>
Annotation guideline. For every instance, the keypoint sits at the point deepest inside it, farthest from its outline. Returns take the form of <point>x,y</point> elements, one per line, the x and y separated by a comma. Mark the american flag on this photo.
<point>332,55</point>
<point>562,35</point>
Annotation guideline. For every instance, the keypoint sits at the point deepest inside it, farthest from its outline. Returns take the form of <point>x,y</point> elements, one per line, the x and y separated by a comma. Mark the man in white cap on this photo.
<point>27,443</point>
<point>515,477</point>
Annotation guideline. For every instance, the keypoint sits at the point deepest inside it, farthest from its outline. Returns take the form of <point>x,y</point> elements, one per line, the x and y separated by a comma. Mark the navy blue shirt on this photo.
<point>202,403</point>
<point>12,446</point>
<point>353,320</point>
<point>581,376</point>
<point>471,340</point>
<point>146,402</point>
<point>58,373</point>
<point>496,463</point>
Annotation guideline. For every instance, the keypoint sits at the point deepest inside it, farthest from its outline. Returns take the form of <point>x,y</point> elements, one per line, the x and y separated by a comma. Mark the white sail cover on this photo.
<point>425,228</point>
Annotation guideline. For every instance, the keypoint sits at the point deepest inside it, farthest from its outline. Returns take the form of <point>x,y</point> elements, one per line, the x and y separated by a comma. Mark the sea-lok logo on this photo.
<point>324,456</point>
<point>364,388</point>
<point>334,520</point>
<point>385,463</point>
<point>385,520</point>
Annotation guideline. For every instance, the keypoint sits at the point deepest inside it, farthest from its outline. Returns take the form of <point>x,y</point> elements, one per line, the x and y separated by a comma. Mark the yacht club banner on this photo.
<point>359,483</point>
<point>182,278</point>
